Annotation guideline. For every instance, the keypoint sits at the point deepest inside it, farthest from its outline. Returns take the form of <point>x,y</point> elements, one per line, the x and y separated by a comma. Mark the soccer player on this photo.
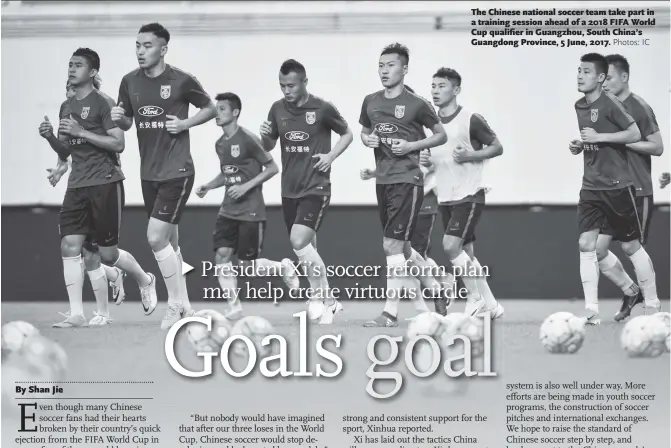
<point>421,237</point>
<point>393,121</point>
<point>157,96</point>
<point>303,123</point>
<point>241,222</point>
<point>95,196</point>
<point>639,159</point>
<point>91,258</point>
<point>607,198</point>
<point>461,186</point>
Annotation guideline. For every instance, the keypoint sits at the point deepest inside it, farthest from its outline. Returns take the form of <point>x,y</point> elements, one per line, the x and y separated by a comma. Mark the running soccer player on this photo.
<point>461,186</point>
<point>639,159</point>
<point>393,121</point>
<point>157,96</point>
<point>91,258</point>
<point>303,123</point>
<point>94,199</point>
<point>241,222</point>
<point>607,198</point>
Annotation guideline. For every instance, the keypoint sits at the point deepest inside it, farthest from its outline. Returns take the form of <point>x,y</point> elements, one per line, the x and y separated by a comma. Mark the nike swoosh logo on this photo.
<point>161,213</point>
<point>171,275</point>
<point>396,232</point>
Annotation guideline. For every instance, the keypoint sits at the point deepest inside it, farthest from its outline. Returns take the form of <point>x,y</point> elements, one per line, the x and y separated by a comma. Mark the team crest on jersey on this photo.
<point>235,150</point>
<point>85,112</point>
<point>399,112</point>
<point>594,115</point>
<point>310,117</point>
<point>165,92</point>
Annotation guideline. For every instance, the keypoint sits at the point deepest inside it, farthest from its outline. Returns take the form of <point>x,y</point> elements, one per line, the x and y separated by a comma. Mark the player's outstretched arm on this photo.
<point>630,135</point>
<point>217,182</point>
<point>652,145</point>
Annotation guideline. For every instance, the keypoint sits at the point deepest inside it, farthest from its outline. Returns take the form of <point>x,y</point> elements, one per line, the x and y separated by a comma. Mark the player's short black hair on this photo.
<point>232,98</point>
<point>157,30</point>
<point>409,89</point>
<point>450,74</point>
<point>598,60</point>
<point>399,49</point>
<point>292,65</point>
<point>91,57</point>
<point>619,61</point>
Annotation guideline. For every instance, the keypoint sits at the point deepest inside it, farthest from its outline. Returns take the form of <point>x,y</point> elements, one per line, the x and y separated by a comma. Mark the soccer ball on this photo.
<point>255,328</point>
<point>563,332</point>
<point>203,340</point>
<point>644,336</point>
<point>426,324</point>
<point>666,318</point>
<point>470,327</point>
<point>42,352</point>
<point>15,334</point>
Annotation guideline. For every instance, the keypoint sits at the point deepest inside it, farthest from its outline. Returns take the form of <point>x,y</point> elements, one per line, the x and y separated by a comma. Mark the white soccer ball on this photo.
<point>563,332</point>
<point>469,327</point>
<point>203,340</point>
<point>426,324</point>
<point>255,328</point>
<point>43,352</point>
<point>666,318</point>
<point>14,335</point>
<point>644,337</point>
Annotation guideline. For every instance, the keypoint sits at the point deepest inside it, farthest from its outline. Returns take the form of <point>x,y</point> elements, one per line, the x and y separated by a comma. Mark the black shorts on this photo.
<point>244,237</point>
<point>421,237</point>
<point>165,200</point>
<point>644,207</point>
<point>612,211</point>
<point>95,212</point>
<point>307,211</point>
<point>460,220</point>
<point>399,206</point>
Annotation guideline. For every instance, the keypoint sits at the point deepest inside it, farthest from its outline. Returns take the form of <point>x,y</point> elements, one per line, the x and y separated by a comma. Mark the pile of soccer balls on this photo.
<point>643,336</point>
<point>27,356</point>
<point>254,328</point>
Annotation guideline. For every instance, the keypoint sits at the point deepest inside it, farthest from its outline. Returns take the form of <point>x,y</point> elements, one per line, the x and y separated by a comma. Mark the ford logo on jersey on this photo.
<point>297,136</point>
<point>229,169</point>
<point>150,111</point>
<point>386,128</point>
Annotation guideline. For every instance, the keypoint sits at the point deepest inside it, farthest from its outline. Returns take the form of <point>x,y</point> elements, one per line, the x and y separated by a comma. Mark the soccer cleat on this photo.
<point>118,292</point>
<point>473,307</point>
<point>330,311</point>
<point>172,315</point>
<point>72,321</point>
<point>497,312</point>
<point>148,296</point>
<point>383,320</point>
<point>592,317</point>
<point>628,304</point>
<point>234,312</point>
<point>100,319</point>
<point>316,308</point>
<point>656,307</point>
<point>289,276</point>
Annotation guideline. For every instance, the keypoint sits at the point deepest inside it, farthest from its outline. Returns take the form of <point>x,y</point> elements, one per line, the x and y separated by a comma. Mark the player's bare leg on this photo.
<point>611,267</point>
<point>462,263</point>
<point>228,282</point>
<point>159,234</point>
<point>645,273</point>
<point>589,273</point>
<point>321,304</point>
<point>96,273</point>
<point>184,292</point>
<point>71,249</point>
<point>126,263</point>
<point>491,305</point>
